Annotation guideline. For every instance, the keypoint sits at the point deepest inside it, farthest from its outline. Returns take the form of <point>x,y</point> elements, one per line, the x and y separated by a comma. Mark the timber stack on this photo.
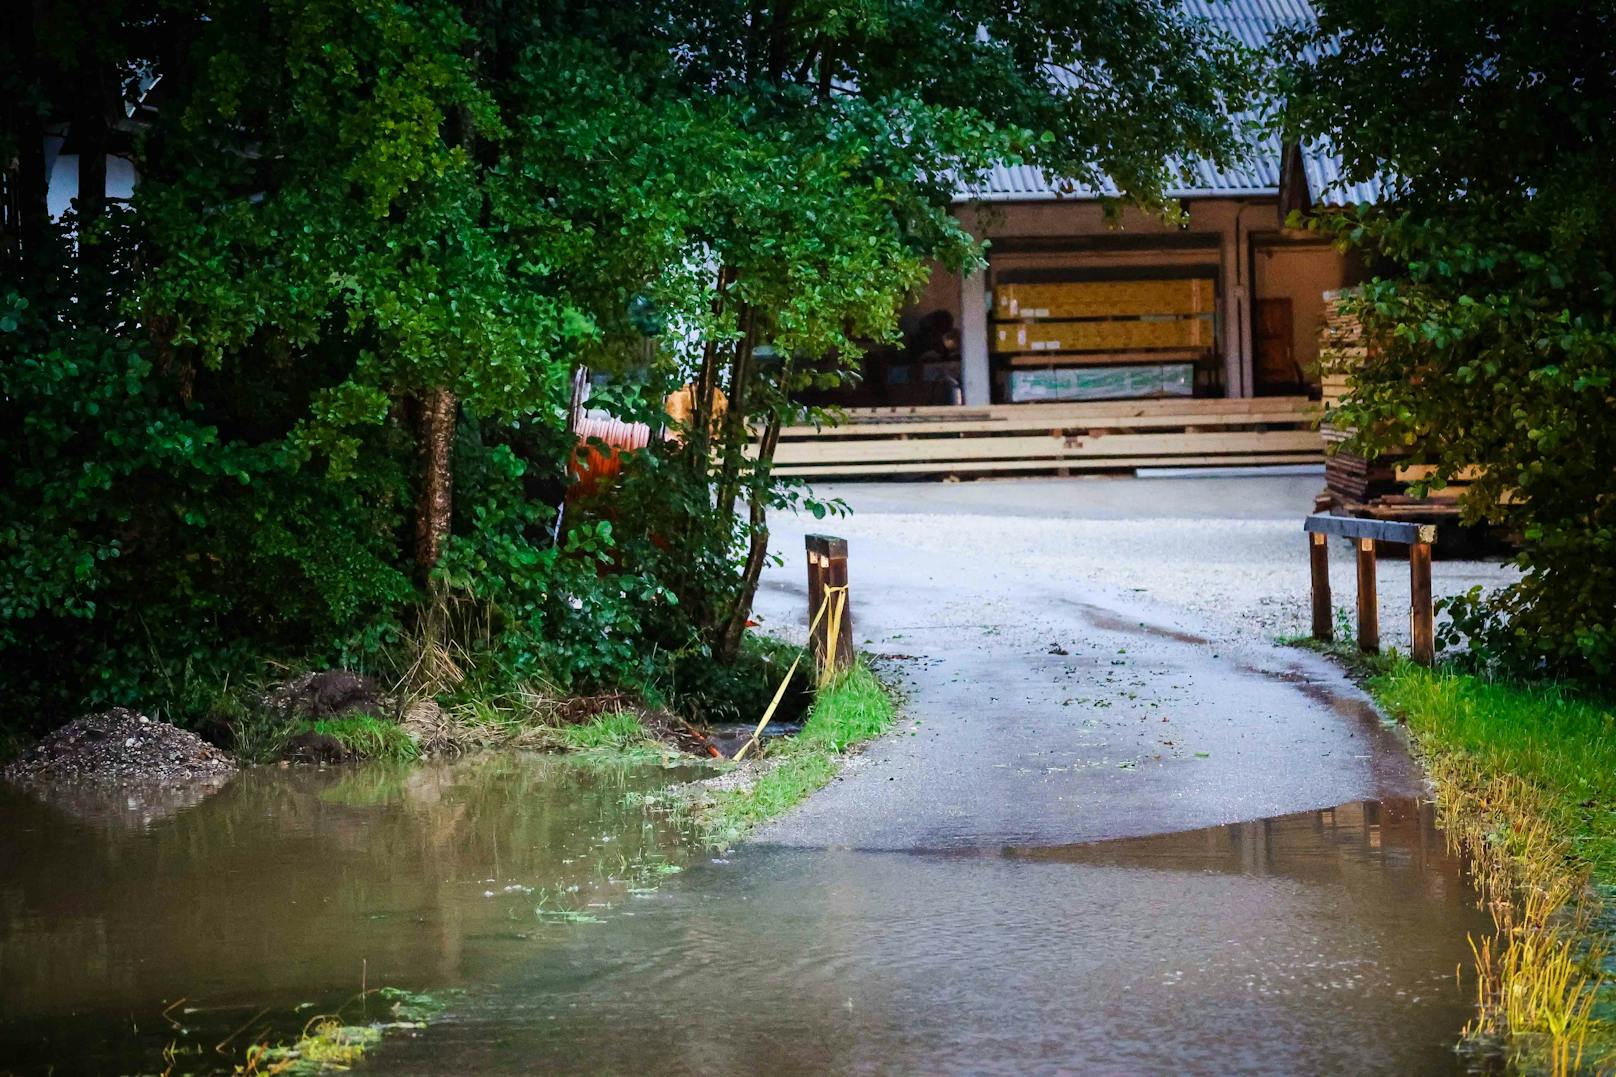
<point>1353,485</point>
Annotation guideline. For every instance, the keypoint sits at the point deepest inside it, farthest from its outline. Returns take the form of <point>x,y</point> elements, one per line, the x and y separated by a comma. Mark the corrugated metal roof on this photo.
<point>1252,22</point>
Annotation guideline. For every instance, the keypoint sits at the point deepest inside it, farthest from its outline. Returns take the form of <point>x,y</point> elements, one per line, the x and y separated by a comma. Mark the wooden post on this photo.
<point>815,546</point>
<point>1319,556</point>
<point>1423,630</point>
<point>1368,602</point>
<point>829,554</point>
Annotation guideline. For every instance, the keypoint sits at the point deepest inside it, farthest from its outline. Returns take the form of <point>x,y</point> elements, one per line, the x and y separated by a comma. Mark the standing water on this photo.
<point>131,924</point>
<point>1327,941</point>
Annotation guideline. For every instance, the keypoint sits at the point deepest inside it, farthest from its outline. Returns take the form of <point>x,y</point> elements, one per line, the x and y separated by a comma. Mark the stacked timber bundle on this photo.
<point>1059,438</point>
<point>1352,484</point>
<point>1348,477</point>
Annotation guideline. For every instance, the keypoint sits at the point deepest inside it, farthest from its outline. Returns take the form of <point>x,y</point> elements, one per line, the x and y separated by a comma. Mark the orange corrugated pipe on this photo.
<point>593,468</point>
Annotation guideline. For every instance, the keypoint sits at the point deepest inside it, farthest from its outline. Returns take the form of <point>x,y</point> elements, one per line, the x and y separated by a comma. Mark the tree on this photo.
<point>373,242</point>
<point>804,156</point>
<point>1493,316</point>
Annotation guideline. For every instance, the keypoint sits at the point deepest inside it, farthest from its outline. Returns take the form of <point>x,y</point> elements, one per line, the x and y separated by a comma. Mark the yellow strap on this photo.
<point>779,693</point>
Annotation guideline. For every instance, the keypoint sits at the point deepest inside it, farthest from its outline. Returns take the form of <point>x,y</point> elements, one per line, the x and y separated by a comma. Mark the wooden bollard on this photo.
<point>1368,601</point>
<point>1417,537</point>
<point>1319,557</point>
<point>1422,631</point>
<point>827,572</point>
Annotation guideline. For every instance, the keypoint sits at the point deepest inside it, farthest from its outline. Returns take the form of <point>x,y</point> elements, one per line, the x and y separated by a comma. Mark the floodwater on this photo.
<point>1322,942</point>
<point>132,923</point>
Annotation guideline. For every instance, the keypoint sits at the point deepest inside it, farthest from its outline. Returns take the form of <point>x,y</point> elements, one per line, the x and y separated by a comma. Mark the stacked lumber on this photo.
<point>1063,438</point>
<point>1341,345</point>
<point>1353,485</point>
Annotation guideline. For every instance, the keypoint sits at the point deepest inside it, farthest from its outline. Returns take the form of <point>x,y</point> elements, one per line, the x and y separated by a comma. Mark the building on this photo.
<point>1074,305</point>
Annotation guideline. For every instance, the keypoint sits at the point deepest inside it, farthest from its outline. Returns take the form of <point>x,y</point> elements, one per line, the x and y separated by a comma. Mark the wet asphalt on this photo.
<point>1046,709</point>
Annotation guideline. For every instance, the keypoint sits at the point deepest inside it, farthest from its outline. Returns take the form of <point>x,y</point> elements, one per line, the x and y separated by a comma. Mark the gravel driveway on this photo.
<point>1228,550</point>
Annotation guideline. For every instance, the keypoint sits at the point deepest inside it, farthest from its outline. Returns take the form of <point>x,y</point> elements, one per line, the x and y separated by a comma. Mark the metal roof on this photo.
<point>1252,22</point>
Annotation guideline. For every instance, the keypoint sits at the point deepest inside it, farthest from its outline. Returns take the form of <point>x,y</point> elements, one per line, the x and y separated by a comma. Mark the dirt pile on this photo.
<point>116,748</point>
<point>328,694</point>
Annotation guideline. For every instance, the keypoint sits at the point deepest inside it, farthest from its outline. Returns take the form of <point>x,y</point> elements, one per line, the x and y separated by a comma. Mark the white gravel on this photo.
<point>1229,551</point>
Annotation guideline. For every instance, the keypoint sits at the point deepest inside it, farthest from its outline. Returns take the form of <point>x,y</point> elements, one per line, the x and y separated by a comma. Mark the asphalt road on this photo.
<point>1053,706</point>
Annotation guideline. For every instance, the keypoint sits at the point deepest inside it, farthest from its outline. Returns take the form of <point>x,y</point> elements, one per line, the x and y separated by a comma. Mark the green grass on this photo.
<point>612,732</point>
<point>1562,744</point>
<point>1526,783</point>
<point>329,1044</point>
<point>851,710</point>
<point>367,737</point>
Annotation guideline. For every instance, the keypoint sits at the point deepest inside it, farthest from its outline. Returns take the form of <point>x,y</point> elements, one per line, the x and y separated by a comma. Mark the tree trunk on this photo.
<point>90,133</point>
<point>732,431</point>
<point>434,502</point>
<point>729,644</point>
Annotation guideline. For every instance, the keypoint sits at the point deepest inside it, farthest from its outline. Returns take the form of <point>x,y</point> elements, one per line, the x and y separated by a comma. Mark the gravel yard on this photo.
<point>1228,549</point>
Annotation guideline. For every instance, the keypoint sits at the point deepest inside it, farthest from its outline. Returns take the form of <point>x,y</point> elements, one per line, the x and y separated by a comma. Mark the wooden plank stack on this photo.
<point>1375,488</point>
<point>1058,438</point>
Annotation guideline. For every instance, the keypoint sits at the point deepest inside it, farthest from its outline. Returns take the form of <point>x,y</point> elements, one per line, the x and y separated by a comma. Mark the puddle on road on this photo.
<point>277,896</point>
<point>1322,942</point>
<point>1110,621</point>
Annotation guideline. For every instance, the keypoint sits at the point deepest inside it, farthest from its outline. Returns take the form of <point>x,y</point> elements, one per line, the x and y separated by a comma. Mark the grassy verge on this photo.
<point>850,710</point>
<point>331,1043</point>
<point>1526,782</point>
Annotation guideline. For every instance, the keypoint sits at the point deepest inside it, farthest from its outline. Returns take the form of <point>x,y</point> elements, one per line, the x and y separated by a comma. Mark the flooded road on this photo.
<point>284,893</point>
<point>1323,942</point>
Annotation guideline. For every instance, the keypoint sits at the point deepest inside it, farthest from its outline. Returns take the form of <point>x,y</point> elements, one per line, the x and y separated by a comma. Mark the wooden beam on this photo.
<point>1368,600</point>
<point>1353,527</point>
<point>1078,447</point>
<point>1422,632</point>
<point>1213,405</point>
<point>966,467</point>
<point>1169,420</point>
<point>1319,560</point>
<point>830,553</point>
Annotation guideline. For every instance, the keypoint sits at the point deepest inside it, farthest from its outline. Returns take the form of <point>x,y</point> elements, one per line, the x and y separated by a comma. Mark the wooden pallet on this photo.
<point>1089,437</point>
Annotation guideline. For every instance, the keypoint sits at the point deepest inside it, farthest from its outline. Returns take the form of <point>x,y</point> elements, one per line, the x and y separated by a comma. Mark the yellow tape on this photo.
<point>840,593</point>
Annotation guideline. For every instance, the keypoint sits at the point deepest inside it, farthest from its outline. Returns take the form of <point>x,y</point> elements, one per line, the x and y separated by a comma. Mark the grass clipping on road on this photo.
<point>1526,782</point>
<point>851,709</point>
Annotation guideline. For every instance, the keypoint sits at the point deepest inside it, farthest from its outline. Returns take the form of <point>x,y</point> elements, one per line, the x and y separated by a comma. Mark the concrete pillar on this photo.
<point>1231,297</point>
<point>975,378</point>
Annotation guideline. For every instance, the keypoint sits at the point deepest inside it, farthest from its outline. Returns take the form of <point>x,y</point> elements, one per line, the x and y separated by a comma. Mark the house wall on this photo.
<point>1236,240</point>
<point>1301,272</point>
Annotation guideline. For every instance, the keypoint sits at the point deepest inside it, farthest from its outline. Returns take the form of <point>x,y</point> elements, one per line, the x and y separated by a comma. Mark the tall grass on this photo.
<point>366,737</point>
<point>852,709</point>
<point>614,731</point>
<point>1526,781</point>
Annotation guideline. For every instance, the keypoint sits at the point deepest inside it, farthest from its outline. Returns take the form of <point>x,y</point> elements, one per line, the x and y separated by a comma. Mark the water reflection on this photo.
<point>1322,942</point>
<point>295,886</point>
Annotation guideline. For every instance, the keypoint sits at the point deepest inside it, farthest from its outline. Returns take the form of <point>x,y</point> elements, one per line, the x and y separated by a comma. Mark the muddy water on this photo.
<point>1325,942</point>
<point>132,923</point>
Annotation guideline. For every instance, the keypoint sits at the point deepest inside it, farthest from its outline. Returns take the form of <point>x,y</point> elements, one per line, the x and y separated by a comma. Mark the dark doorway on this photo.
<point>1278,373</point>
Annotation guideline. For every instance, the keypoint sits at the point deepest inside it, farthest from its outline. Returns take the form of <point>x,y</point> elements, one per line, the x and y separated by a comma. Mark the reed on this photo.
<point>1525,779</point>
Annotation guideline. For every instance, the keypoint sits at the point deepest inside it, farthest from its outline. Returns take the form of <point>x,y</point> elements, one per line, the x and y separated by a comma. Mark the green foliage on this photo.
<point>365,736</point>
<point>147,546</point>
<point>711,693</point>
<point>1493,319</point>
<point>213,409</point>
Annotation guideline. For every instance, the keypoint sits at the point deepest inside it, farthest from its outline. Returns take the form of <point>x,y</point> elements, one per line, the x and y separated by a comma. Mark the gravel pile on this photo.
<point>116,748</point>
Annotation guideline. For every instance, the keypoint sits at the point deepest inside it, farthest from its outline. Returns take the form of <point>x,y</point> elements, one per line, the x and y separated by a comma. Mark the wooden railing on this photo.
<point>1417,537</point>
